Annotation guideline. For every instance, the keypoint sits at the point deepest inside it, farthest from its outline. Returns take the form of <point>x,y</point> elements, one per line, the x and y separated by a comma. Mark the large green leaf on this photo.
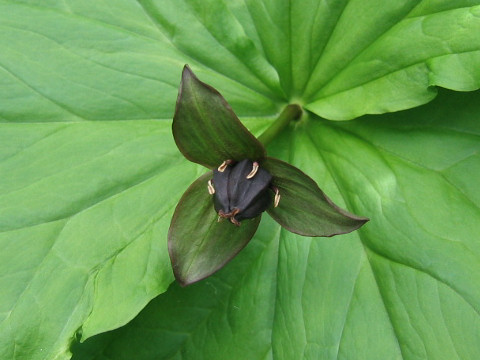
<point>90,175</point>
<point>83,211</point>
<point>402,287</point>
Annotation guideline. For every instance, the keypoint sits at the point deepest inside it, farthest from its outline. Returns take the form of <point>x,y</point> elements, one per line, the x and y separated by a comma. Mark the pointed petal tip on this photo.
<point>185,280</point>
<point>182,280</point>
<point>187,72</point>
<point>360,221</point>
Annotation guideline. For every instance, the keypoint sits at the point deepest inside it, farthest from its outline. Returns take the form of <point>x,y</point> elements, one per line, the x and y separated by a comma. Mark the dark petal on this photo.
<point>198,245</point>
<point>304,209</point>
<point>234,191</point>
<point>221,196</point>
<point>244,192</point>
<point>261,203</point>
<point>205,128</point>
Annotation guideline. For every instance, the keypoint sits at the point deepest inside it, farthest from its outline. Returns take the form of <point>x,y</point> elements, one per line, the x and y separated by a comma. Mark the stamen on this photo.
<point>254,170</point>
<point>211,189</point>
<point>235,221</point>
<point>232,218</point>
<point>277,196</point>
<point>224,165</point>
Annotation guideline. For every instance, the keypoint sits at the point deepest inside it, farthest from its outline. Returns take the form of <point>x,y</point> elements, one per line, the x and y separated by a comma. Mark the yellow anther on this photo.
<point>277,197</point>
<point>224,165</point>
<point>211,189</point>
<point>254,170</point>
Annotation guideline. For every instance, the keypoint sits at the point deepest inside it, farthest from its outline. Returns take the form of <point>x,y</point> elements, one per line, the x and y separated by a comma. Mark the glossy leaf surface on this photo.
<point>90,176</point>
<point>198,243</point>
<point>304,209</point>
<point>206,129</point>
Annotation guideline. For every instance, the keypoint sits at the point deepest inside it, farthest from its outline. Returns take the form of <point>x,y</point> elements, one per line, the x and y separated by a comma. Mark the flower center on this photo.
<point>241,190</point>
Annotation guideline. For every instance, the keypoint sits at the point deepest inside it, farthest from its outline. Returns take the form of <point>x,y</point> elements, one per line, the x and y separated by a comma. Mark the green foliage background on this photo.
<point>90,175</point>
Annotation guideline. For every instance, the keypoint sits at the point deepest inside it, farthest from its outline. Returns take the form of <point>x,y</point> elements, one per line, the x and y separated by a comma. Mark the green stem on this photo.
<point>291,112</point>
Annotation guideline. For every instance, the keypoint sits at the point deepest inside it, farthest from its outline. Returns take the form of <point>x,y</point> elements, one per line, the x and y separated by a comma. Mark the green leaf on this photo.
<point>394,56</point>
<point>206,129</point>
<point>198,243</point>
<point>402,287</point>
<point>84,214</point>
<point>304,209</point>
<point>80,205</point>
<point>117,60</point>
<point>178,319</point>
<point>90,175</point>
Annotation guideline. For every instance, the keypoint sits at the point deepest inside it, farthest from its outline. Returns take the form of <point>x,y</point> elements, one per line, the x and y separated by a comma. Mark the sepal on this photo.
<point>199,244</point>
<point>304,209</point>
<point>205,128</point>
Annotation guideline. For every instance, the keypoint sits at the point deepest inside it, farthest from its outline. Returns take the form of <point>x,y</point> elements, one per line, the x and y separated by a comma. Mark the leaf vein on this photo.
<point>151,15</point>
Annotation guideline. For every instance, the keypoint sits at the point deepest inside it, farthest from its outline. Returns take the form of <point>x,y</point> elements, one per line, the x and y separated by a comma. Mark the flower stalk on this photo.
<point>291,112</point>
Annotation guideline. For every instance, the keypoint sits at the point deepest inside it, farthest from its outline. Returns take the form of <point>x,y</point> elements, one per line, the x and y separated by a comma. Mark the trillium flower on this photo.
<point>220,211</point>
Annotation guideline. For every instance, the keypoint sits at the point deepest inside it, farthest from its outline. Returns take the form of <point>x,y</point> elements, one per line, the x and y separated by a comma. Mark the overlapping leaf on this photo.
<point>85,206</point>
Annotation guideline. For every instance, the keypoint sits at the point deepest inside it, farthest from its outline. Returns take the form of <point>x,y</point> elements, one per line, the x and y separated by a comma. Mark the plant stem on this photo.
<point>291,112</point>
